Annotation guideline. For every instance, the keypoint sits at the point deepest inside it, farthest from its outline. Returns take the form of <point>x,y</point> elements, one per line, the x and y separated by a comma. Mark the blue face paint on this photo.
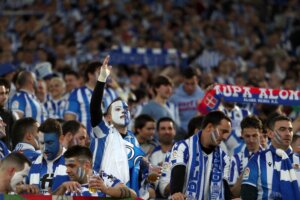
<point>50,145</point>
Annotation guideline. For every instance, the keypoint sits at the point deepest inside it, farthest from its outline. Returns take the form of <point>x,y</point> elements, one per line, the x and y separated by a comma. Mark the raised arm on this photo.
<point>96,100</point>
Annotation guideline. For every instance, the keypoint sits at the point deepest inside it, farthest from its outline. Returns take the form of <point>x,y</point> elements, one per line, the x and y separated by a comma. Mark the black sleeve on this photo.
<point>177,179</point>
<point>96,102</point>
<point>227,193</point>
<point>248,192</point>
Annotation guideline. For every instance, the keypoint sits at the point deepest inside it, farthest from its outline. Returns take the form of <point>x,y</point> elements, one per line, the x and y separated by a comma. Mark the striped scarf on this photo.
<point>243,94</point>
<point>287,188</point>
<point>196,184</point>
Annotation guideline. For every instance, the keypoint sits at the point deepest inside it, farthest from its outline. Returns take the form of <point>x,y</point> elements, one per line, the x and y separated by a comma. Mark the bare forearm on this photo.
<point>120,192</point>
<point>236,188</point>
<point>61,190</point>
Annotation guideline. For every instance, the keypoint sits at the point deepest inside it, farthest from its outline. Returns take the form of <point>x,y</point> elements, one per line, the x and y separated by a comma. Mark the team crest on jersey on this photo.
<point>175,154</point>
<point>246,173</point>
<point>166,166</point>
<point>15,104</point>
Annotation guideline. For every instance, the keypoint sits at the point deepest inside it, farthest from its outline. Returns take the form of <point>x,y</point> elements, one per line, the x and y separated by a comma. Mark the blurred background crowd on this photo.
<point>239,42</point>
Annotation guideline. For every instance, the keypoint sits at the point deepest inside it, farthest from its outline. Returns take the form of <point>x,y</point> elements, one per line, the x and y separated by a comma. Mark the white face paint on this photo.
<point>120,113</point>
<point>19,177</point>
<point>215,136</point>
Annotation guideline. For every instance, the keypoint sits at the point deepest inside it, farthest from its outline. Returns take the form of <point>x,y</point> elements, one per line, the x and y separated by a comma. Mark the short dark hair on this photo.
<point>79,151</point>
<point>5,83</point>
<point>20,128</point>
<point>15,159</point>
<point>189,72</point>
<point>70,72</point>
<point>278,118</point>
<point>164,119</point>
<point>141,121</point>
<point>91,68</point>
<point>251,122</point>
<point>71,126</point>
<point>161,80</point>
<point>269,119</point>
<point>194,123</point>
<point>215,118</point>
<point>295,137</point>
<point>51,126</point>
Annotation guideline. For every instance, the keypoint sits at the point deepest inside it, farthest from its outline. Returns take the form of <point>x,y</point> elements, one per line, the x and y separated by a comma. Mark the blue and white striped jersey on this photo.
<point>55,108</point>
<point>296,166</point>
<point>239,162</point>
<point>27,103</point>
<point>42,172</point>
<point>204,173</point>
<point>108,180</point>
<point>79,104</point>
<point>4,151</point>
<point>260,171</point>
<point>157,157</point>
<point>28,150</point>
<point>134,152</point>
<point>236,115</point>
<point>164,180</point>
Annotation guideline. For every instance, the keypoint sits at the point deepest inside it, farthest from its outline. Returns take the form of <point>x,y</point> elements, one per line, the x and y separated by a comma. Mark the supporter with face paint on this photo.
<point>199,162</point>
<point>79,169</point>
<point>51,161</point>
<point>13,170</point>
<point>271,174</point>
<point>115,150</point>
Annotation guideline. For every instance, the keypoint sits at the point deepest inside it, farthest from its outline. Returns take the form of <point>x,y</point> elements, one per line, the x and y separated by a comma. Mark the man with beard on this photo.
<point>270,174</point>
<point>199,167</point>
<point>74,133</point>
<point>4,151</point>
<point>8,116</point>
<point>85,182</point>
<point>51,162</point>
<point>166,132</point>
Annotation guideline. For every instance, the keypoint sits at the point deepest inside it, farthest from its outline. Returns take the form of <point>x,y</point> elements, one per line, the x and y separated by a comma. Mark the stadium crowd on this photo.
<point>72,124</point>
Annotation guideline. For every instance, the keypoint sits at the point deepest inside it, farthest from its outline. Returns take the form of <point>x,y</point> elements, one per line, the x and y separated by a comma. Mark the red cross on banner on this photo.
<point>210,101</point>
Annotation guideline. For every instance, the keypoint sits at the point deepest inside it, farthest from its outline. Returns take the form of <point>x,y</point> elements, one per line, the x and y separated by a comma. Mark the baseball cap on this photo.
<point>6,68</point>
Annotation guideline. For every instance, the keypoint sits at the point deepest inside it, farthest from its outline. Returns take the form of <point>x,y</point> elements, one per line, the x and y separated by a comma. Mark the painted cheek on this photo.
<point>127,118</point>
<point>18,177</point>
<point>81,173</point>
<point>53,149</point>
